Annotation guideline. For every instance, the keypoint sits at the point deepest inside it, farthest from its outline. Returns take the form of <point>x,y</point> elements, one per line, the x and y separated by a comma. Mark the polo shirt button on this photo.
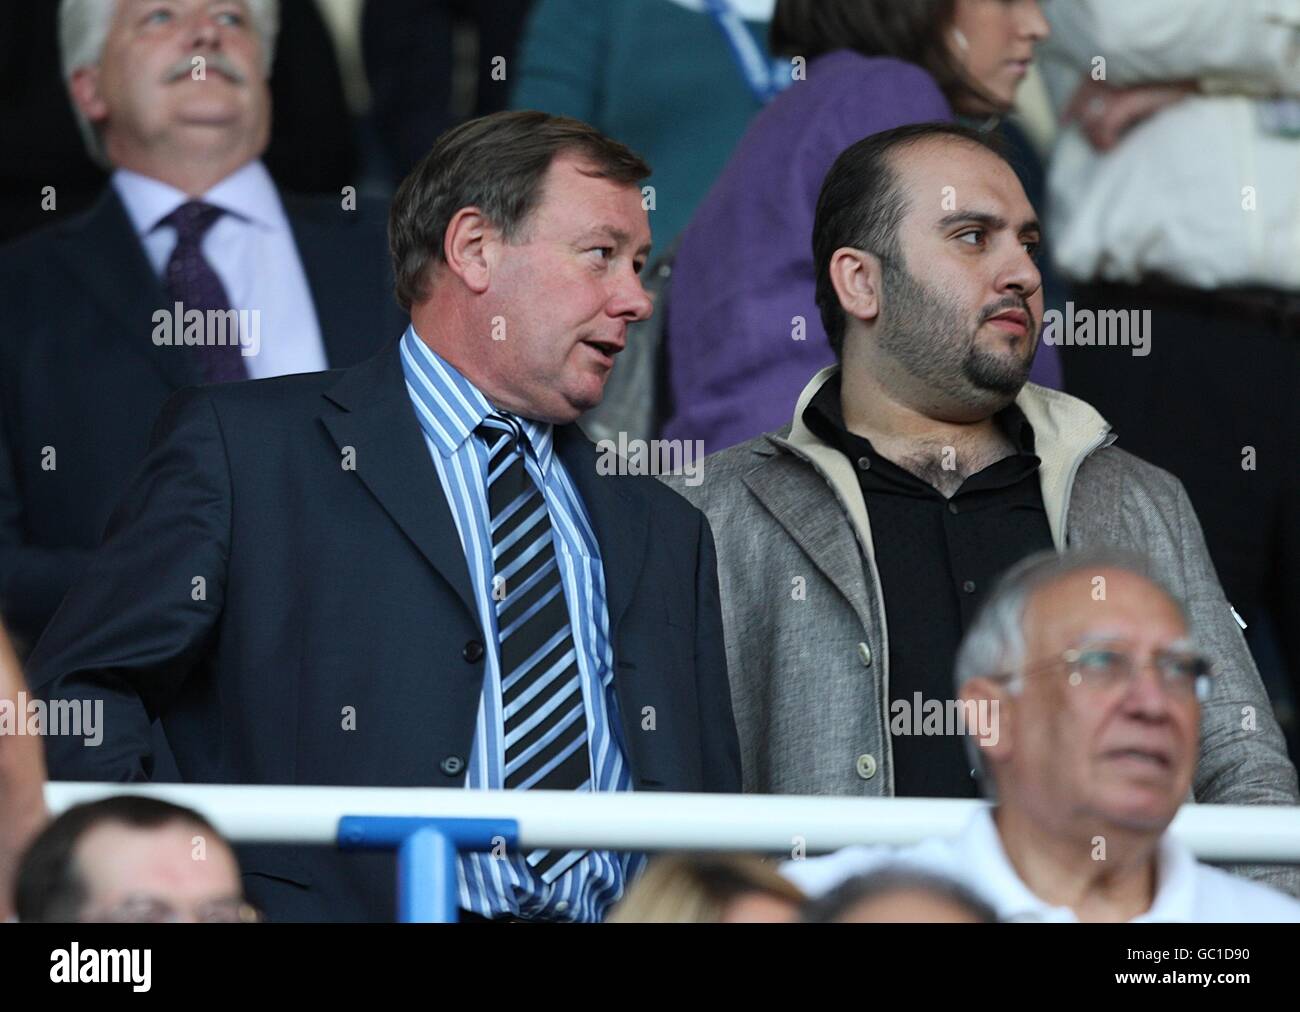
<point>952,507</point>
<point>864,655</point>
<point>473,651</point>
<point>864,463</point>
<point>968,586</point>
<point>866,766</point>
<point>451,765</point>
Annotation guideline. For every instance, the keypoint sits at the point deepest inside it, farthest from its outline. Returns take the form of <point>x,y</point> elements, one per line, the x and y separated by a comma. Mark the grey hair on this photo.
<point>83,31</point>
<point>995,642</point>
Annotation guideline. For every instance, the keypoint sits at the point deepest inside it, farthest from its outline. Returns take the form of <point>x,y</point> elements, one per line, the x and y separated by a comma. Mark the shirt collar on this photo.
<point>1175,883</point>
<point>824,416</point>
<point>999,881</point>
<point>450,407</point>
<point>248,193</point>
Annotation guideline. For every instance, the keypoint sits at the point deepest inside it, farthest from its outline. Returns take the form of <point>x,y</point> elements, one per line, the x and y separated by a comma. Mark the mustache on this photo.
<point>1010,302</point>
<point>217,61</point>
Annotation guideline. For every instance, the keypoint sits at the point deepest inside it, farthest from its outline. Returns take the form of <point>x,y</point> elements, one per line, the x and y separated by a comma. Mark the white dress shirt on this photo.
<point>252,250</point>
<point>1202,192</point>
<point>1186,890</point>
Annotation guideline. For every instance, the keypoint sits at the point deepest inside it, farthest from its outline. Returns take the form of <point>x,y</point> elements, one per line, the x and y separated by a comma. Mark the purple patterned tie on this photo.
<point>192,281</point>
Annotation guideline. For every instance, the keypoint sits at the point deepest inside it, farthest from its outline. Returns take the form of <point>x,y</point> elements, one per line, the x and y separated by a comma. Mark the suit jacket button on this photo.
<point>473,651</point>
<point>452,765</point>
<point>864,655</point>
<point>866,766</point>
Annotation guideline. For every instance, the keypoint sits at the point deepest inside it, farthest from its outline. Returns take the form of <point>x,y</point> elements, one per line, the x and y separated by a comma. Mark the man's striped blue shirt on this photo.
<point>449,408</point>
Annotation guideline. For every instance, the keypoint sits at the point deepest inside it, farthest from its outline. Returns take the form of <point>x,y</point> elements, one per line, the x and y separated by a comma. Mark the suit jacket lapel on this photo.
<point>802,502</point>
<point>621,521</point>
<point>102,251</point>
<point>392,460</point>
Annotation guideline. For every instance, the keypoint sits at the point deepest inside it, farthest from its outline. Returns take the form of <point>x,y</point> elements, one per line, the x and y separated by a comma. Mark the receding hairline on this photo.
<point>1107,571</point>
<point>116,821</point>
<point>898,177</point>
<point>580,162</point>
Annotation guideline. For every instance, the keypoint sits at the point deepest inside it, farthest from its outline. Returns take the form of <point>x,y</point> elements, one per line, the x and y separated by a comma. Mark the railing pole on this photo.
<point>427,849</point>
<point>658,820</point>
<point>426,878</point>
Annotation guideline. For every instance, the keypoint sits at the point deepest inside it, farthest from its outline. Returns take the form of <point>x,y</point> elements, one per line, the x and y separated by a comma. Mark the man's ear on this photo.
<point>465,248</point>
<point>84,88</point>
<point>857,279</point>
<point>991,705</point>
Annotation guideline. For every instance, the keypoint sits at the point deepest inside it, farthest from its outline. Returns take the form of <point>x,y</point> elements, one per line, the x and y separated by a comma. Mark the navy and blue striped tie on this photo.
<point>541,692</point>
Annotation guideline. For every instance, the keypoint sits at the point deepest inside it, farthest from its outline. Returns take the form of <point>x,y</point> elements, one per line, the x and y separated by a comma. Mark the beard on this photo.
<point>930,337</point>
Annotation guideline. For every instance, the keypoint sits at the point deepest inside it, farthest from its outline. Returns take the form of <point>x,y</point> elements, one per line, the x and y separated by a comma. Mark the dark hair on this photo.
<point>862,204</point>
<point>496,163</point>
<point>49,886</point>
<point>894,879</point>
<point>910,30</point>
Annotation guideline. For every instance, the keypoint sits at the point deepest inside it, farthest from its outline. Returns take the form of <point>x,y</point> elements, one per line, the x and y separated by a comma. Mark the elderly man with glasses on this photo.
<point>1095,685</point>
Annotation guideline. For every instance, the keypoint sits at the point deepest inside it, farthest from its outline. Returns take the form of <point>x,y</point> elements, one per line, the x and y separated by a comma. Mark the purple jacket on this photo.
<point>744,269</point>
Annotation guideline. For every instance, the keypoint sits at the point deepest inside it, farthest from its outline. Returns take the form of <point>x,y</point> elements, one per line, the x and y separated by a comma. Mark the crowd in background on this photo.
<point>1167,181</point>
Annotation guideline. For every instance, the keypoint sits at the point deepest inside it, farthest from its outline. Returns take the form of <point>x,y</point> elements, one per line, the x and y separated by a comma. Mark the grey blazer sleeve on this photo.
<point>1243,753</point>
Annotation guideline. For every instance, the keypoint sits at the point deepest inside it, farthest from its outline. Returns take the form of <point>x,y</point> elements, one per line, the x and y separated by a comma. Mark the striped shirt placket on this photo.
<point>449,408</point>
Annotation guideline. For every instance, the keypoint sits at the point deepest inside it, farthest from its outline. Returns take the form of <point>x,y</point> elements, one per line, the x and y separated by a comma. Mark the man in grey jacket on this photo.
<point>855,545</point>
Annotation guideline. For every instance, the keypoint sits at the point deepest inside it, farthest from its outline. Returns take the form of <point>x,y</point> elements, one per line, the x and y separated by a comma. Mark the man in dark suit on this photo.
<point>417,571</point>
<point>175,100</point>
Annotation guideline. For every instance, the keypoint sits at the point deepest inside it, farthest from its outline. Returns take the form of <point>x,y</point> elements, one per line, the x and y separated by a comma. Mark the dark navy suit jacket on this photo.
<point>79,372</point>
<point>326,587</point>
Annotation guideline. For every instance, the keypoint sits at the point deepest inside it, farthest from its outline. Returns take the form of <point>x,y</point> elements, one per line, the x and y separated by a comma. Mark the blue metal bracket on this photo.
<point>427,849</point>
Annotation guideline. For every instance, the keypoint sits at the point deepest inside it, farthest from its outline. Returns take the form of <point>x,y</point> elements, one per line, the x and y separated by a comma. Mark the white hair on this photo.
<point>995,642</point>
<point>83,31</point>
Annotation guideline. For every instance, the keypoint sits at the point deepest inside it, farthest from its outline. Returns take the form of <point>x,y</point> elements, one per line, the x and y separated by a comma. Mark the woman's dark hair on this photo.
<point>909,30</point>
<point>496,163</point>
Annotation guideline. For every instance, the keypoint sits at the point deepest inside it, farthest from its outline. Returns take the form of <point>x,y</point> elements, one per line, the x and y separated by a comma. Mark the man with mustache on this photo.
<point>173,96</point>
<point>1099,700</point>
<point>855,544</point>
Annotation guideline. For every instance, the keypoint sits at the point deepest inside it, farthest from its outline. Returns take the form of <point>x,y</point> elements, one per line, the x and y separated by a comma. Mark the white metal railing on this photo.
<point>659,821</point>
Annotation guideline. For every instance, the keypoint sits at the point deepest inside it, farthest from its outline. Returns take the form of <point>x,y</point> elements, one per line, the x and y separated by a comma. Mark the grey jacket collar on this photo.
<point>1066,432</point>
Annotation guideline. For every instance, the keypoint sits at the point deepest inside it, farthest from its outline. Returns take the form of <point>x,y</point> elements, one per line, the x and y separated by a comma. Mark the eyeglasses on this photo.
<point>1109,666</point>
<point>153,910</point>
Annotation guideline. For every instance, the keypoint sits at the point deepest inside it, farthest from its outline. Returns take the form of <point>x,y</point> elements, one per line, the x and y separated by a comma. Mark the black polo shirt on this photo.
<point>936,558</point>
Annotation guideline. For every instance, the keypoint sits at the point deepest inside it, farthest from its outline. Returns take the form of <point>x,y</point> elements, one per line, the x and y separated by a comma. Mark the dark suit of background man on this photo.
<point>417,571</point>
<point>190,216</point>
